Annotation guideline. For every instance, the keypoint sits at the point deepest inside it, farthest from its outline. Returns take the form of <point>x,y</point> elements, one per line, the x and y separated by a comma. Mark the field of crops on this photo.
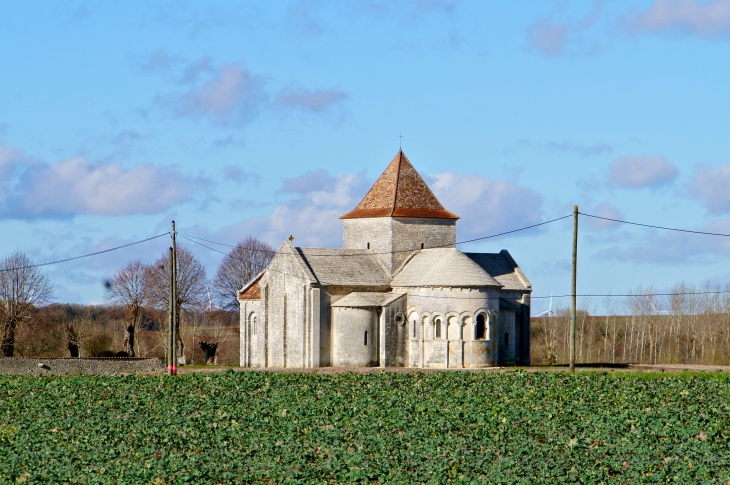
<point>251,427</point>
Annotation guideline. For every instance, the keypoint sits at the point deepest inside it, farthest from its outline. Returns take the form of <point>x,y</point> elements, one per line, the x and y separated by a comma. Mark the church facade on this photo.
<point>398,294</point>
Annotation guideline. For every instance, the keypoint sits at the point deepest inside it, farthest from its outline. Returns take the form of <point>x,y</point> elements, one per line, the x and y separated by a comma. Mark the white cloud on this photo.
<point>76,186</point>
<point>311,181</point>
<point>311,215</point>
<point>235,174</point>
<point>637,171</point>
<point>711,187</point>
<point>233,95</point>
<point>316,101</point>
<point>707,19</point>
<point>9,161</point>
<point>551,37</point>
<point>486,206</point>
<point>565,146</point>
<point>604,209</point>
<point>670,247</point>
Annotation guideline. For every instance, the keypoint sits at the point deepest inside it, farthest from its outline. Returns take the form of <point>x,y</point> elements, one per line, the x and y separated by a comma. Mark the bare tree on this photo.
<point>238,267</point>
<point>127,289</point>
<point>191,286</point>
<point>23,288</point>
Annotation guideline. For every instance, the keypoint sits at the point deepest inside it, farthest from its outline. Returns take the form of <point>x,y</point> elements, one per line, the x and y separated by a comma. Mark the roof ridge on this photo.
<point>397,181</point>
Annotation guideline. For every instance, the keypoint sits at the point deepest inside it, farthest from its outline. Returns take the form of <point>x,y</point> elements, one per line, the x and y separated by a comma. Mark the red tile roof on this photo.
<point>400,192</point>
<point>253,292</point>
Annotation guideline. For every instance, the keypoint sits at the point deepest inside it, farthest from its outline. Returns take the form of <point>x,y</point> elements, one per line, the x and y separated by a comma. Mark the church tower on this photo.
<point>399,216</point>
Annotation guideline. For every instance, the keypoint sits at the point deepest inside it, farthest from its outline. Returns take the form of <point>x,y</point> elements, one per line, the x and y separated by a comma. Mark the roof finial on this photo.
<point>400,143</point>
<point>291,238</point>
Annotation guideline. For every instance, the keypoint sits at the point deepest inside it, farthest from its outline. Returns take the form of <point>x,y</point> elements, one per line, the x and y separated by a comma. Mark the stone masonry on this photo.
<point>398,294</point>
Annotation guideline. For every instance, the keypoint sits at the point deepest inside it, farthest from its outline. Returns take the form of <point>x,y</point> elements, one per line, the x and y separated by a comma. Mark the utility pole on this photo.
<point>573,309</point>
<point>170,320</point>
<point>173,298</point>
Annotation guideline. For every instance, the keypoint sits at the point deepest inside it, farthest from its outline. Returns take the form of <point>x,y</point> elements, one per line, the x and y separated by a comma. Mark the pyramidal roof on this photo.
<point>400,192</point>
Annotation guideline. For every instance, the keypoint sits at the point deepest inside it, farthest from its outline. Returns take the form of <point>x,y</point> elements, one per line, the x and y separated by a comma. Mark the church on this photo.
<point>398,294</point>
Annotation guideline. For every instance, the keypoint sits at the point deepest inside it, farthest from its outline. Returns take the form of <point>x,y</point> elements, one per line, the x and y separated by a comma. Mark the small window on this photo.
<point>438,328</point>
<point>421,245</point>
<point>365,338</point>
<point>414,328</point>
<point>368,245</point>
<point>253,326</point>
<point>506,339</point>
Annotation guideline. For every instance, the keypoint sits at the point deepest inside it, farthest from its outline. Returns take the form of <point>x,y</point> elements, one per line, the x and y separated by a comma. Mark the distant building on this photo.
<point>399,294</point>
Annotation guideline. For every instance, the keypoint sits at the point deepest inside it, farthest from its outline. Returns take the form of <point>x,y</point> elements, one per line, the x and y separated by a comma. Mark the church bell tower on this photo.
<point>398,217</point>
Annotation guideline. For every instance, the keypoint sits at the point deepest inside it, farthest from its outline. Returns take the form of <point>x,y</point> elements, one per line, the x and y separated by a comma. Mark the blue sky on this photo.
<point>273,118</point>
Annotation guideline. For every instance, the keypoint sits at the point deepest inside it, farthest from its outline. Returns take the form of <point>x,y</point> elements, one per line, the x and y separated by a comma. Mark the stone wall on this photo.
<point>99,366</point>
<point>350,347</point>
<point>395,239</point>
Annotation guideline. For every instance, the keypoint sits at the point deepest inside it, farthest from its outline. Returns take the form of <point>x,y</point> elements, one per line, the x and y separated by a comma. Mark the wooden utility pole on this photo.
<point>173,298</point>
<point>573,308</point>
<point>170,320</point>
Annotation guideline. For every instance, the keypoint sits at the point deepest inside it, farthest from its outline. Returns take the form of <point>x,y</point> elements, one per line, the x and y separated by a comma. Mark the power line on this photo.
<point>656,227</point>
<point>84,255</point>
<point>225,254</point>
<point>188,236</point>
<point>628,295</point>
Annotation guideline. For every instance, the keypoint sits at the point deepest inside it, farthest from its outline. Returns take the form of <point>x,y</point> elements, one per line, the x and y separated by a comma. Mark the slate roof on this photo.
<point>443,267</point>
<point>503,268</point>
<point>344,267</point>
<point>400,192</point>
<point>367,299</point>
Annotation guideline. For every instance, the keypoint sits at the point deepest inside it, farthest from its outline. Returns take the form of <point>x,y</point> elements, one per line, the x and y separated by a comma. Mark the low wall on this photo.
<point>98,366</point>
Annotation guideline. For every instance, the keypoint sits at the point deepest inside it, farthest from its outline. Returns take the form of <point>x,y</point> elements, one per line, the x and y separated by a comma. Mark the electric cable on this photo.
<point>389,252</point>
<point>226,254</point>
<point>656,227</point>
<point>49,263</point>
<point>589,295</point>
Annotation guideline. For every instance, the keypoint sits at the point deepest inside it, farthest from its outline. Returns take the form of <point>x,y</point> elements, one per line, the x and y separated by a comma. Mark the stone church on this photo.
<point>398,294</point>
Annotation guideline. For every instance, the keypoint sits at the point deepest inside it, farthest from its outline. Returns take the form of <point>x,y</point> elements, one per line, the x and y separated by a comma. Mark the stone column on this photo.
<point>314,329</point>
<point>381,337</point>
<point>493,317</point>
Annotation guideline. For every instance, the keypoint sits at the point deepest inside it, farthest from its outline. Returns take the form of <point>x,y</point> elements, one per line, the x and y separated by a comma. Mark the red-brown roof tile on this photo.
<point>400,192</point>
<point>253,292</point>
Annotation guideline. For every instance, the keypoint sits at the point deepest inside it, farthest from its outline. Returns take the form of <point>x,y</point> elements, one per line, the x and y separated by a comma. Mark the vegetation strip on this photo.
<point>511,427</point>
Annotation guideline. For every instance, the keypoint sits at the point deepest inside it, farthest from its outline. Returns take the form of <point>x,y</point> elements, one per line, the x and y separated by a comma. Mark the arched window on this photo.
<point>438,327</point>
<point>365,338</point>
<point>506,339</point>
<point>368,245</point>
<point>415,322</point>
<point>480,330</point>
<point>421,245</point>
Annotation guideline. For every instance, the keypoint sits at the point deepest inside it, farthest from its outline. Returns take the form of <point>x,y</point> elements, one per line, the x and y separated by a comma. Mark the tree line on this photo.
<point>136,293</point>
<point>689,324</point>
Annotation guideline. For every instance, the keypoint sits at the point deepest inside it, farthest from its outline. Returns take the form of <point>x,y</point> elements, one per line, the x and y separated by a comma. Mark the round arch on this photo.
<point>480,327</point>
<point>413,322</point>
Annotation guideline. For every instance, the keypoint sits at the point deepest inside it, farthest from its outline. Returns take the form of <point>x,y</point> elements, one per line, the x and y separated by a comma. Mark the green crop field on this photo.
<point>468,427</point>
